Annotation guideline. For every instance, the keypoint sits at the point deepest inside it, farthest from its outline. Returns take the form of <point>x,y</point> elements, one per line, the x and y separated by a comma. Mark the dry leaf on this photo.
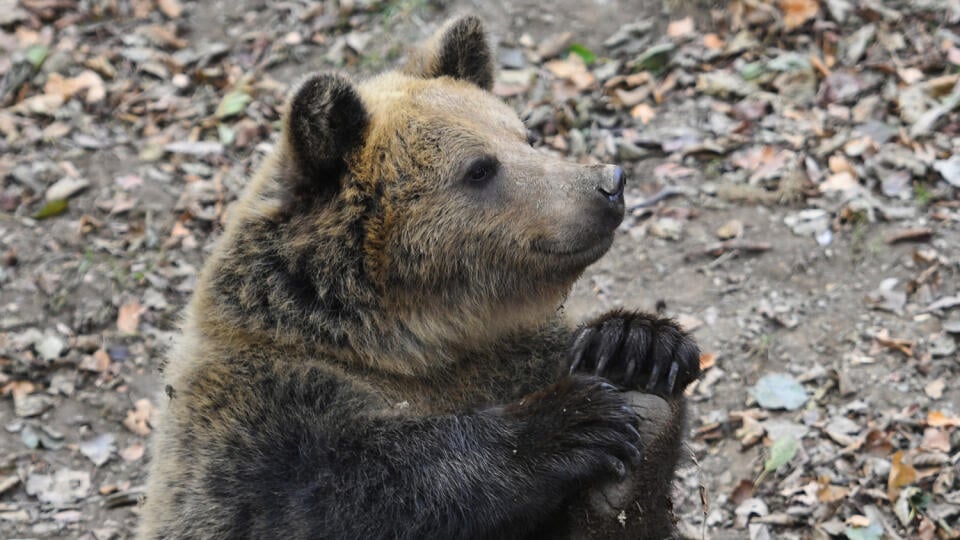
<point>128,318</point>
<point>572,69</point>
<point>170,8</point>
<point>903,345</point>
<point>934,390</point>
<point>936,439</point>
<point>138,419</point>
<point>644,112</point>
<point>901,474</point>
<point>132,452</point>
<point>828,493</point>
<point>707,361</point>
<point>680,28</point>
<point>939,419</point>
<point>713,42</point>
<point>97,362</point>
<point>858,521</point>
<point>797,12</point>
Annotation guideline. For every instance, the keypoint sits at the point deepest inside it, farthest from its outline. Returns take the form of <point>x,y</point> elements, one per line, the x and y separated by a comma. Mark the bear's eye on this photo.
<point>482,170</point>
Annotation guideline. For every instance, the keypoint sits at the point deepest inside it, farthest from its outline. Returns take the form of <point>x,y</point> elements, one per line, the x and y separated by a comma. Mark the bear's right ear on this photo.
<point>459,50</point>
<point>326,120</point>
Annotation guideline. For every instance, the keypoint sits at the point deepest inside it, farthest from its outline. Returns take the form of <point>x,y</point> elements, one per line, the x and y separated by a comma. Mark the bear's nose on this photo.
<point>611,184</point>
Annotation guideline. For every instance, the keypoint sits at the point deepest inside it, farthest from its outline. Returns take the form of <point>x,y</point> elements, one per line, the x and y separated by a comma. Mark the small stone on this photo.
<point>49,347</point>
<point>554,45</point>
<point>724,84</point>
<point>667,228</point>
<point>949,169</point>
<point>730,229</point>
<point>28,405</point>
<point>512,58</point>
<point>942,346</point>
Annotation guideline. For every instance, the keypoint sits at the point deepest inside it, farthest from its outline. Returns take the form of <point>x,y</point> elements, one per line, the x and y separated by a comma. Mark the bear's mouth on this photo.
<point>588,251</point>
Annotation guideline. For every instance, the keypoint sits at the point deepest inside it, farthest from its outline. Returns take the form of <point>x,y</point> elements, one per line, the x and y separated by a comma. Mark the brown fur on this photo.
<point>373,329</point>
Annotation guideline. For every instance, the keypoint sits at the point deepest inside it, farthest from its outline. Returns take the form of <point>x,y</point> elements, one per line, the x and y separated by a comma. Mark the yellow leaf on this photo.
<point>901,474</point>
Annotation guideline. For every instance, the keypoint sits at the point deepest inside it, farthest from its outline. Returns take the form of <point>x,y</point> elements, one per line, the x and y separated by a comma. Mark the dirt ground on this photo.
<point>89,296</point>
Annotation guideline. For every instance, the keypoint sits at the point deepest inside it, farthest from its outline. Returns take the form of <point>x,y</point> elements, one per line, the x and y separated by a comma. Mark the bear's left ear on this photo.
<point>326,120</point>
<point>459,50</point>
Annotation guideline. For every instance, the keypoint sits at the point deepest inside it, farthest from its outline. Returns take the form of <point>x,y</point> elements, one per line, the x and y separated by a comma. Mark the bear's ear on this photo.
<point>459,50</point>
<point>325,121</point>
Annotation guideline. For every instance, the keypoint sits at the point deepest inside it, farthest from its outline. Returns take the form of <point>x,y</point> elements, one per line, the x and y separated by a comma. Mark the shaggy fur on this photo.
<point>373,350</point>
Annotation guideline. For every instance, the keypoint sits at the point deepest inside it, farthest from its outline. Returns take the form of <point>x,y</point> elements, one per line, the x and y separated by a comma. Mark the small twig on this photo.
<point>719,248</point>
<point>663,194</point>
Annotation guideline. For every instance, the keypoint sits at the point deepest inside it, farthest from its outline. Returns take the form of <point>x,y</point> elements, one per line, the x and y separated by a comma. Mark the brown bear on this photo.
<point>374,349</point>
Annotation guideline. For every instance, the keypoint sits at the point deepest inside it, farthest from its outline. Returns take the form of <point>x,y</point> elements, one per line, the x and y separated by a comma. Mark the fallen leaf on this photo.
<point>232,104</point>
<point>707,361</point>
<point>936,439</point>
<point>133,452</point>
<point>63,487</point>
<point>934,389</point>
<point>643,112</point>
<point>901,474</point>
<point>128,318</point>
<point>829,493</point>
<point>939,419</point>
<point>680,28</point>
<point>99,448</point>
<point>904,346</point>
<point>138,419</point>
<point>779,391</point>
<point>781,452</point>
<point>51,209</point>
<point>170,8</point>
<point>797,12</point>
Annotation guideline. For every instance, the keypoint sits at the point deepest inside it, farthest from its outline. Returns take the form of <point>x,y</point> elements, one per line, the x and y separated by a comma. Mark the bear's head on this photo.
<point>409,214</point>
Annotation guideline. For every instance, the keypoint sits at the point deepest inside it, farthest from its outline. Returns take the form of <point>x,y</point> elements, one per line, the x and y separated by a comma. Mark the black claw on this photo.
<point>672,377</point>
<point>634,432</point>
<point>654,376</point>
<point>579,347</point>
<point>607,386</point>
<point>612,337</point>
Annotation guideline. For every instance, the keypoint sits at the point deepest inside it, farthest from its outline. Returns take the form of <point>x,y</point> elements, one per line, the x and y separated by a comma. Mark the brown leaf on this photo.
<point>828,493</point>
<point>128,318</point>
<point>742,492</point>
